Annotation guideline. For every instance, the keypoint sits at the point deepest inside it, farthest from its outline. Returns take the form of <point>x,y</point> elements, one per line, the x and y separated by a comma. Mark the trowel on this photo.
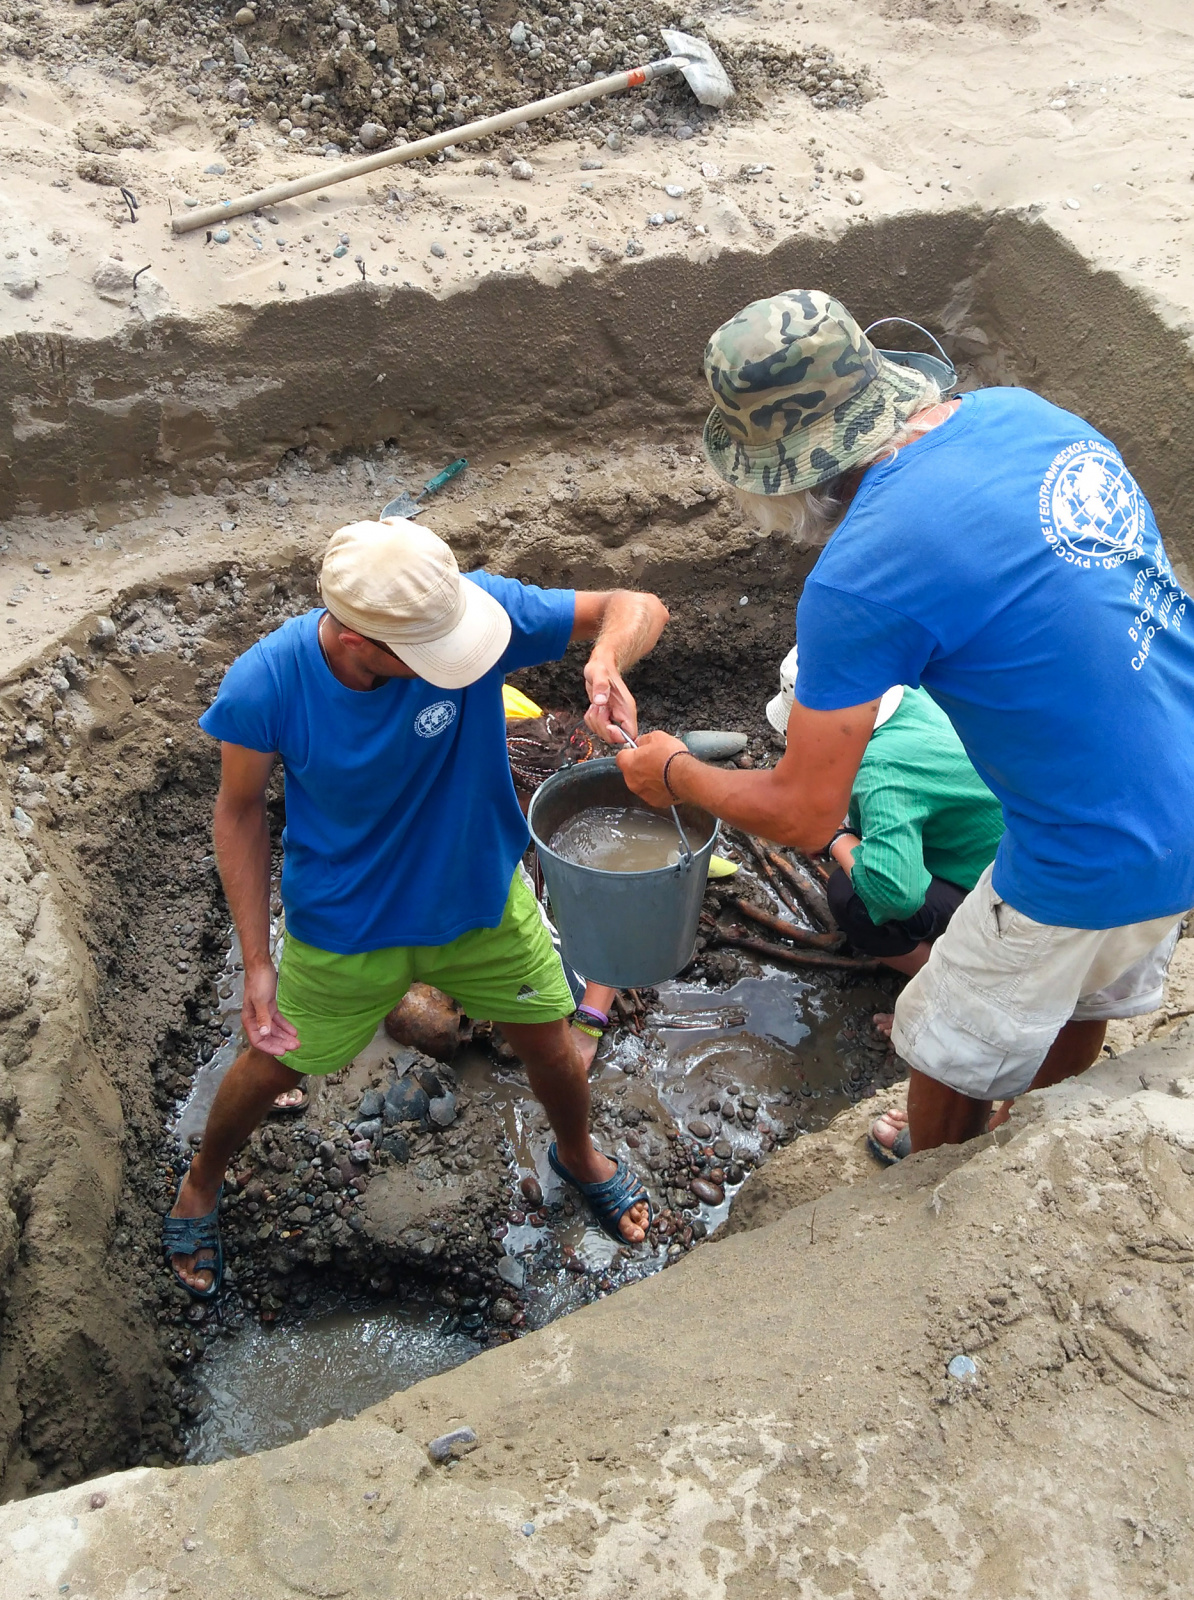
<point>407,504</point>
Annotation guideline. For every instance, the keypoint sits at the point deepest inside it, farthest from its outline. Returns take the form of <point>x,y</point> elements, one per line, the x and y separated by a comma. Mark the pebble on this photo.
<point>438,250</point>
<point>699,1129</point>
<point>503,1310</point>
<point>451,1446</point>
<point>531,1191</point>
<point>964,1368</point>
<point>221,236</point>
<point>853,197</point>
<point>710,170</point>
<point>613,139</point>
<point>369,1129</point>
<point>673,191</point>
<point>669,216</point>
<point>528,1528</point>
<point>635,247</point>
<point>245,18</point>
<point>709,1194</point>
<point>395,1145</point>
<point>372,134</point>
<point>442,1110</point>
<point>589,165</point>
<point>217,169</point>
<point>656,219</point>
<point>510,1270</point>
<point>98,1500</point>
<point>372,1104</point>
<point>723,1149</point>
<point>523,170</point>
<point>684,132</point>
<point>638,122</point>
<point>189,200</point>
<point>239,54</point>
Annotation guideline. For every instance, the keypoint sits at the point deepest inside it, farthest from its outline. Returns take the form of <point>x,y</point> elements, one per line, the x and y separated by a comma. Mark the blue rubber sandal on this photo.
<point>185,1236</point>
<point>610,1199</point>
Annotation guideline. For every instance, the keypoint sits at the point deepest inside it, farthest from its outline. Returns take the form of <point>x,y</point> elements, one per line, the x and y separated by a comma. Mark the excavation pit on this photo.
<point>585,471</point>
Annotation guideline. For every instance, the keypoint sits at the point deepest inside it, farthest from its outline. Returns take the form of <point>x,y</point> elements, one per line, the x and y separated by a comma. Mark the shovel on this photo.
<point>407,504</point>
<point>703,72</point>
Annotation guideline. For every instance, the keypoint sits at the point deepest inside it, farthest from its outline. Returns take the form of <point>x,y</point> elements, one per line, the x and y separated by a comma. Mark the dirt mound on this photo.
<point>328,74</point>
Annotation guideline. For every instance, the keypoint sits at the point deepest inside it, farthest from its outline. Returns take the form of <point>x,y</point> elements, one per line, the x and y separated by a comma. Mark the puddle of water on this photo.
<point>269,1386</point>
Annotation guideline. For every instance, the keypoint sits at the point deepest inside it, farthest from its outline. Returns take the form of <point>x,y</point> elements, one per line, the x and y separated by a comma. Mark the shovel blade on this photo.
<point>405,505</point>
<point>703,72</point>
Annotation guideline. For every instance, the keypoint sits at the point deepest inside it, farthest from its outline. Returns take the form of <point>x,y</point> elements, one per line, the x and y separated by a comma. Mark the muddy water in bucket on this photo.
<point>626,926</point>
<point>618,839</point>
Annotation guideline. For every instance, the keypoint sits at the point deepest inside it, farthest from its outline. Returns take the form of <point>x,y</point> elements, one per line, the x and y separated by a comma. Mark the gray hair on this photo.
<point>809,516</point>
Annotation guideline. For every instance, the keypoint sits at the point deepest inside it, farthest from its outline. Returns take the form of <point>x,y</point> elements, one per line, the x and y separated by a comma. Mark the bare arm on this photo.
<point>801,801</point>
<point>625,626</point>
<point>241,832</point>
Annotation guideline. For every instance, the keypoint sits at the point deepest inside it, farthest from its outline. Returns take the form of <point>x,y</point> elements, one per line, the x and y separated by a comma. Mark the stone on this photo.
<point>442,1110</point>
<point>221,236</point>
<point>239,54</point>
<point>98,1500</point>
<point>217,169</point>
<point>523,170</point>
<point>372,1104</point>
<point>518,35</point>
<point>406,1101</point>
<point>245,18</point>
<point>113,281</point>
<point>438,250</point>
<point>510,1270</point>
<point>963,1368</point>
<point>635,247</point>
<point>589,165</point>
<point>613,139</point>
<point>655,220</point>
<point>715,744</point>
<point>699,1129</point>
<point>532,1192</point>
<point>709,1194</point>
<point>396,1146</point>
<point>503,1310</point>
<point>684,131</point>
<point>370,1128</point>
<point>853,197</point>
<point>673,191</point>
<point>451,1446</point>
<point>669,216</point>
<point>372,134</point>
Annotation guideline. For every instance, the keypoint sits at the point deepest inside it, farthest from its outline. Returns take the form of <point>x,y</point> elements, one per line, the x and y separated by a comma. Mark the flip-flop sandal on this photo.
<point>610,1199</point>
<point>185,1236</point>
<point>276,1110</point>
<point>896,1151</point>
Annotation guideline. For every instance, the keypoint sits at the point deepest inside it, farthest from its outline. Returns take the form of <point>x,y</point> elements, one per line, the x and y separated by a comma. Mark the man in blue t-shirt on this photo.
<point>995,550</point>
<point>403,840</point>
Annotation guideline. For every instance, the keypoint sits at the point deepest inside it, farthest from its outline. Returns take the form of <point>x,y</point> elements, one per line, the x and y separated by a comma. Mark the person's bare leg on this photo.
<point>600,997</point>
<point>561,1086</point>
<point>940,1115</point>
<point>1077,1047</point>
<point>910,964</point>
<point>241,1101</point>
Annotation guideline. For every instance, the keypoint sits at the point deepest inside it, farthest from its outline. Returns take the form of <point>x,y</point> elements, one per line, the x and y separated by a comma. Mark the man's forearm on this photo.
<point>630,628</point>
<point>756,802</point>
<point>243,855</point>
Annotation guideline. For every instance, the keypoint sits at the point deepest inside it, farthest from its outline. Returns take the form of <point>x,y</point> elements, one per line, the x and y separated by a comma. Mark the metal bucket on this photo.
<point>626,929</point>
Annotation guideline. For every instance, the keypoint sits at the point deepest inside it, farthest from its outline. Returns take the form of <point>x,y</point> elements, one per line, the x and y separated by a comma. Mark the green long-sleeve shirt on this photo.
<point>921,810</point>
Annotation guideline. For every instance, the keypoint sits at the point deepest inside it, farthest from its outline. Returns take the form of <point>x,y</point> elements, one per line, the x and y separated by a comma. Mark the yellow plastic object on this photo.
<point>518,707</point>
<point>719,867</point>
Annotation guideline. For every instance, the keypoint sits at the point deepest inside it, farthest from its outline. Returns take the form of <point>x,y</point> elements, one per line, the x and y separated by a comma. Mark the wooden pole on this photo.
<point>209,216</point>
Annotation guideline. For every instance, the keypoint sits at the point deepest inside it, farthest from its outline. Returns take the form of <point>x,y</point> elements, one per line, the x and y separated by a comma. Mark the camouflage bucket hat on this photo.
<point>801,394</point>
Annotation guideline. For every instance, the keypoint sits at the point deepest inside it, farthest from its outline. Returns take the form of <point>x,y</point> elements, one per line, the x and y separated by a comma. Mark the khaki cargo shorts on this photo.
<point>998,987</point>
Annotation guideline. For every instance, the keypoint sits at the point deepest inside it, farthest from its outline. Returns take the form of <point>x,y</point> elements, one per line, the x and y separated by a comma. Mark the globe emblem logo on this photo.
<point>433,719</point>
<point>1096,508</point>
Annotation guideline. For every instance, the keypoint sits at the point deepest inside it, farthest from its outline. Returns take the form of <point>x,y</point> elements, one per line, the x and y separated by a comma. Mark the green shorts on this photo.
<point>510,973</point>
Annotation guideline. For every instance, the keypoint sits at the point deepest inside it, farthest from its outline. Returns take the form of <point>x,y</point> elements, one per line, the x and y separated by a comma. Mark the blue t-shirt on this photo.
<point>402,825</point>
<point>1010,564</point>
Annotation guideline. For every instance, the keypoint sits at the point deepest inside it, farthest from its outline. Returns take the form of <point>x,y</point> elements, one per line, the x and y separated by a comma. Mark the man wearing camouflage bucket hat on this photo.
<point>996,551</point>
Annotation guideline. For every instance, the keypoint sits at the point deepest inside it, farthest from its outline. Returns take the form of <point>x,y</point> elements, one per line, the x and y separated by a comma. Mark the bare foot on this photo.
<point>882,1023</point>
<point>888,1126</point>
<point>291,1099</point>
<point>194,1202</point>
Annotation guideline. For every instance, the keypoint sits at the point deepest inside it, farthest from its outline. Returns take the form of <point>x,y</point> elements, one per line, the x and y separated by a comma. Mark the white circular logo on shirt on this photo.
<point>1091,509</point>
<point>433,719</point>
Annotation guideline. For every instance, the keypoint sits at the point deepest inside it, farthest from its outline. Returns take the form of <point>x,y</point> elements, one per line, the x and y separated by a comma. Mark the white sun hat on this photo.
<point>396,583</point>
<point>779,709</point>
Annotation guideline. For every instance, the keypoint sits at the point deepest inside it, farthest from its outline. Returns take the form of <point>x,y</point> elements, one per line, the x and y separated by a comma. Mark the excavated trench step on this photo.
<point>577,404</point>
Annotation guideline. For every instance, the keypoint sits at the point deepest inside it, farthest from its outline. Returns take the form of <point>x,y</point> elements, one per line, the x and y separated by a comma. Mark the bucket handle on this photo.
<point>685,861</point>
